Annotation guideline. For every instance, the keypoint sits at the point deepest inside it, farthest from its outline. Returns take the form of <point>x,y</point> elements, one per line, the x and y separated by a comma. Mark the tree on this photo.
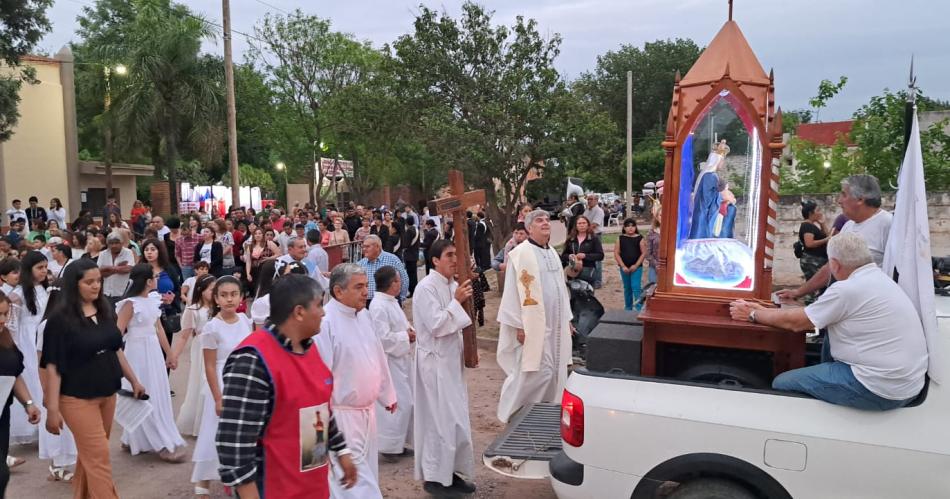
<point>484,99</point>
<point>255,177</point>
<point>826,90</point>
<point>307,64</point>
<point>24,22</point>
<point>169,86</point>
<point>791,119</point>
<point>879,133</point>
<point>818,169</point>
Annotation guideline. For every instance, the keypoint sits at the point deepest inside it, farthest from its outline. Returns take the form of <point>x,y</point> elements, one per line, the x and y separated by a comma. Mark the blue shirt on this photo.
<point>383,260</point>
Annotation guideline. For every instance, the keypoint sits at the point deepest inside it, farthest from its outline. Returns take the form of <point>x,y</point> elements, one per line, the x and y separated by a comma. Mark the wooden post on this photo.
<point>456,205</point>
<point>232,112</point>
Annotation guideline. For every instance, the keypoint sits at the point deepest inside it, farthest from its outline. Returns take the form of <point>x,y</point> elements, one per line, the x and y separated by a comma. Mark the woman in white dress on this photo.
<point>220,336</point>
<point>139,321</point>
<point>59,449</point>
<point>31,299</point>
<point>193,321</point>
<point>57,212</point>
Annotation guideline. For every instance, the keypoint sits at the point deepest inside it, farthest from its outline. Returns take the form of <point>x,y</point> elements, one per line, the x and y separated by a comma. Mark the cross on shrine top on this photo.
<point>456,204</point>
<point>730,10</point>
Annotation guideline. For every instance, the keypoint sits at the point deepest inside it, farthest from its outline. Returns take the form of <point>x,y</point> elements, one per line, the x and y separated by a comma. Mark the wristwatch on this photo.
<point>752,316</point>
<point>27,403</point>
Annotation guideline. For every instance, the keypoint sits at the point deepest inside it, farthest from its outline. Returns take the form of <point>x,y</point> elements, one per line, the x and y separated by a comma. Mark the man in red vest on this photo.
<point>276,376</point>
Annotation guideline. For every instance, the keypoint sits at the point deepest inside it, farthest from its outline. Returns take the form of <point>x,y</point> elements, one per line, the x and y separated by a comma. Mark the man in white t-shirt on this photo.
<point>860,201</point>
<point>878,350</point>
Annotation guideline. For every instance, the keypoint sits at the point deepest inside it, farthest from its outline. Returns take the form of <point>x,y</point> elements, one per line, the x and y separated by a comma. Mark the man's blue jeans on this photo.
<point>834,382</point>
<point>632,287</point>
<point>187,272</point>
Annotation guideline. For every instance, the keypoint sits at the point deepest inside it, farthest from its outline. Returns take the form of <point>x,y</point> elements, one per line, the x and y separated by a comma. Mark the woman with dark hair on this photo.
<point>193,320</point>
<point>226,240</point>
<point>116,222</point>
<point>60,256</point>
<point>168,284</point>
<point>60,449</point>
<point>82,221</point>
<point>11,364</point>
<point>582,250</point>
<point>139,320</point>
<point>260,309</point>
<point>813,236</point>
<point>39,229</point>
<point>258,250</point>
<point>57,212</point>
<point>629,252</point>
<point>211,251</point>
<point>31,297</point>
<point>84,363</point>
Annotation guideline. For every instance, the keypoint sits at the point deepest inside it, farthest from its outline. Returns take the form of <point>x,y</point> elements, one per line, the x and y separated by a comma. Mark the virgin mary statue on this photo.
<point>714,208</point>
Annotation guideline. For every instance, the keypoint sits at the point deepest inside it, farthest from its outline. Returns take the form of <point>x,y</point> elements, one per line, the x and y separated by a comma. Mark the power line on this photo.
<point>262,2</point>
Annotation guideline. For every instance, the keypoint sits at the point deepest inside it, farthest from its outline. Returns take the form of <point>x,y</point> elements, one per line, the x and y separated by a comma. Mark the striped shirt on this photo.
<point>385,259</point>
<point>248,397</point>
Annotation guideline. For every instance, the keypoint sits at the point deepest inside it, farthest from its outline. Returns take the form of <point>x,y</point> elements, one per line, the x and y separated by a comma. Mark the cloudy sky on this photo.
<point>805,41</point>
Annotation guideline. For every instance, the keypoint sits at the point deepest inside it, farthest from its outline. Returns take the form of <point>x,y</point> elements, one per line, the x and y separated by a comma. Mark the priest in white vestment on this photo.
<point>442,433</point>
<point>349,347</point>
<point>397,337</point>
<point>534,341</point>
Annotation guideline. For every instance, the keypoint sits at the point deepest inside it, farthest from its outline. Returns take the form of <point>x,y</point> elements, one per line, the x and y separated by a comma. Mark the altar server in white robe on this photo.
<point>350,348</point>
<point>397,337</point>
<point>534,342</point>
<point>442,433</point>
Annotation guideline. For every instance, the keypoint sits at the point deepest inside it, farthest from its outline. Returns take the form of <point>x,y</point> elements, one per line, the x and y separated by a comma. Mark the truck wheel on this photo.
<point>711,488</point>
<point>723,375</point>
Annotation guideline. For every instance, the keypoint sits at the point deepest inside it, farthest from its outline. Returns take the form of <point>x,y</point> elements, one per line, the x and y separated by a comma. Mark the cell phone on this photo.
<point>128,393</point>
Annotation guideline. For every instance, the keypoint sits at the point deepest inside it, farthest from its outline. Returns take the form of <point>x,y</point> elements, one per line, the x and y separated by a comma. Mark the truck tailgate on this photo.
<point>531,440</point>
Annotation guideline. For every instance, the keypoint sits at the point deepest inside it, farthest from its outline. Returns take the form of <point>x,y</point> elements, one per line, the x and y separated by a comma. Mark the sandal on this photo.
<point>172,457</point>
<point>13,462</point>
<point>202,492</point>
<point>59,474</point>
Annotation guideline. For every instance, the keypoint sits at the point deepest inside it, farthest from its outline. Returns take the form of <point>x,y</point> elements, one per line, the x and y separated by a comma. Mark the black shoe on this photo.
<point>394,458</point>
<point>462,485</point>
<point>436,489</point>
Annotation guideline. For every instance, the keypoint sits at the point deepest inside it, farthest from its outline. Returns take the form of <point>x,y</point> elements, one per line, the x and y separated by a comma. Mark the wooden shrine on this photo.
<point>723,141</point>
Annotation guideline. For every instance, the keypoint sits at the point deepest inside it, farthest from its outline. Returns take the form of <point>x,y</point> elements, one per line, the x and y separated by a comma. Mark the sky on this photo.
<point>869,41</point>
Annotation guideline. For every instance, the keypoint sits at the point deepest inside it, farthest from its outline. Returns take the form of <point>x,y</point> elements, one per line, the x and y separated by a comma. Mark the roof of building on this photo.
<point>825,134</point>
<point>729,49</point>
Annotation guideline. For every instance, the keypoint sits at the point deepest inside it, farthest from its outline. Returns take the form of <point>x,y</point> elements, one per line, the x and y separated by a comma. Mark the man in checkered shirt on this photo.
<point>373,258</point>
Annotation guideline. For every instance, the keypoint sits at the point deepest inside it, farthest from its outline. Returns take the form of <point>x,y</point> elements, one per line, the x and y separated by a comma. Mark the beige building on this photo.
<point>42,157</point>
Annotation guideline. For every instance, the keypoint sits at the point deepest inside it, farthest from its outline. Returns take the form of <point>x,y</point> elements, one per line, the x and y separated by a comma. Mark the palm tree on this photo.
<point>171,90</point>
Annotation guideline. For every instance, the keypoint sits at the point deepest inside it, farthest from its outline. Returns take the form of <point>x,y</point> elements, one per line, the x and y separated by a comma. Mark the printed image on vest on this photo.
<point>314,430</point>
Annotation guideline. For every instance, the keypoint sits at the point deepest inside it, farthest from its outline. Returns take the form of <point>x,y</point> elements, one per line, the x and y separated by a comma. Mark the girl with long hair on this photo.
<point>60,256</point>
<point>225,331</point>
<point>629,252</point>
<point>259,250</point>
<point>32,297</point>
<point>60,449</point>
<point>84,363</point>
<point>168,284</point>
<point>139,319</point>
<point>11,364</point>
<point>193,321</point>
<point>56,212</point>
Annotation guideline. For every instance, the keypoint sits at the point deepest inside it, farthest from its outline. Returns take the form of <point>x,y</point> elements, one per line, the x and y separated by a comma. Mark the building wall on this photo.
<point>124,183</point>
<point>787,271</point>
<point>34,159</point>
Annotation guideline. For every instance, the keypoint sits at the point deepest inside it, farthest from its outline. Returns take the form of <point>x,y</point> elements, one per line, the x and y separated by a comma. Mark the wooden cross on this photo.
<point>456,204</point>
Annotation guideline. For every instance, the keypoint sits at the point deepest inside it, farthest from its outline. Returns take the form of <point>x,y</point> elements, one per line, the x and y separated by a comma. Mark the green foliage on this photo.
<point>192,172</point>
<point>254,177</point>
<point>879,133</point>
<point>791,119</point>
<point>826,90</point>
<point>485,98</point>
<point>23,23</point>
<point>811,173</point>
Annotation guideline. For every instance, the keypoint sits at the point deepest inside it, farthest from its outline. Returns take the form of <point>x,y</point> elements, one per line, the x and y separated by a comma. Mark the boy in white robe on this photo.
<point>397,337</point>
<point>349,347</point>
<point>442,433</point>
<point>534,341</point>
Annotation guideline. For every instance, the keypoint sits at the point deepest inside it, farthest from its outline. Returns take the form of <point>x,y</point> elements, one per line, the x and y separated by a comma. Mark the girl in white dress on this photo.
<point>139,320</point>
<point>31,297</point>
<point>220,336</point>
<point>193,321</point>
<point>59,449</point>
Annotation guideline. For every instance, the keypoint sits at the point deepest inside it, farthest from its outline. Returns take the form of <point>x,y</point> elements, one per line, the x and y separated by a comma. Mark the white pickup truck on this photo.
<point>624,436</point>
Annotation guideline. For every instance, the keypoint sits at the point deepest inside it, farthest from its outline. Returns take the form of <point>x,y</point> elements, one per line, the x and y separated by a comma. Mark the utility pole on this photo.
<point>232,112</point>
<point>107,133</point>
<point>629,143</point>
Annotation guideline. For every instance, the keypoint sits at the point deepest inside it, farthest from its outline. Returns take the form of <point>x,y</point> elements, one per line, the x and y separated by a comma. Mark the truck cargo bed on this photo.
<point>531,440</point>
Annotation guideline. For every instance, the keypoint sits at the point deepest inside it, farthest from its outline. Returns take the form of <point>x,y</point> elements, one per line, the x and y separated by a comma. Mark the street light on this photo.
<point>121,70</point>
<point>827,164</point>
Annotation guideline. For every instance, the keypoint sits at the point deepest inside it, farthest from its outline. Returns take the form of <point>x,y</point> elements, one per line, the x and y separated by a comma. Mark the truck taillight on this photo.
<point>572,419</point>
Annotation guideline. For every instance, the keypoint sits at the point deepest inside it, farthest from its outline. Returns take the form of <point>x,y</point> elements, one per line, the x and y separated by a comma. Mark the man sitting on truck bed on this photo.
<point>878,351</point>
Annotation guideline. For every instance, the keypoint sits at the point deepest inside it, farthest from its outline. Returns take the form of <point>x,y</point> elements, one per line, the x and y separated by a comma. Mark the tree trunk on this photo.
<point>171,155</point>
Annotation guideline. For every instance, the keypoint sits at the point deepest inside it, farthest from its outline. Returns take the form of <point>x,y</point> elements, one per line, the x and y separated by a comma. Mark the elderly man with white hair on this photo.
<point>374,258</point>
<point>534,341</point>
<point>878,350</point>
<point>349,346</point>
